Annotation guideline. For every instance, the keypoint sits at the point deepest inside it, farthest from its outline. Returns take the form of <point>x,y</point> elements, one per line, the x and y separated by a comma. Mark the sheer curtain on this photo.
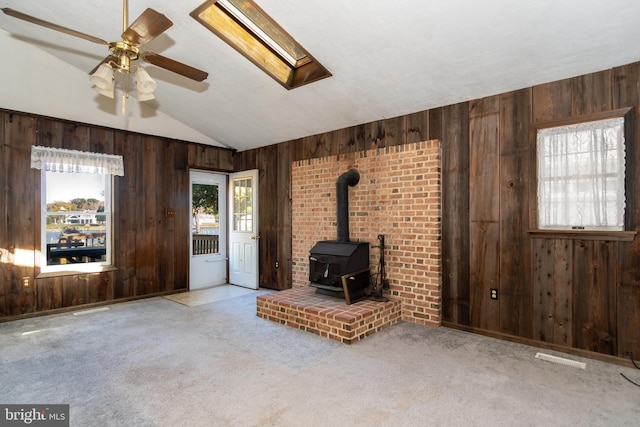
<point>581,176</point>
<point>73,161</point>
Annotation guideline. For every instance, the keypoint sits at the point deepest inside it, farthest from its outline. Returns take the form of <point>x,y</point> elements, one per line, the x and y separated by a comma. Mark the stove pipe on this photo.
<point>347,179</point>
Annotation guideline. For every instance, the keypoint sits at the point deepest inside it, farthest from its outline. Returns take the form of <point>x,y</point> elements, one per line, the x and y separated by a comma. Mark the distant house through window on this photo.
<point>76,214</point>
<point>76,219</point>
<point>581,175</point>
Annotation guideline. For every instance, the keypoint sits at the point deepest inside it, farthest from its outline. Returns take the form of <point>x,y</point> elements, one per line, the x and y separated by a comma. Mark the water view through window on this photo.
<point>76,218</point>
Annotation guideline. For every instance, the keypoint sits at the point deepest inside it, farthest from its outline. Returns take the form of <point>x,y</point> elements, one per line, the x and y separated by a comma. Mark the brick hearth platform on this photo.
<point>327,316</point>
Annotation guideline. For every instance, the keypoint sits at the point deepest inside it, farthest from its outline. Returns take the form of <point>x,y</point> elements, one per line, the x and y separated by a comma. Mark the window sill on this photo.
<point>622,236</point>
<point>100,269</point>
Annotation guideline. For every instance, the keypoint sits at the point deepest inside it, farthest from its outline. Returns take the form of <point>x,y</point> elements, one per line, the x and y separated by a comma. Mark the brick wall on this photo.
<point>399,196</point>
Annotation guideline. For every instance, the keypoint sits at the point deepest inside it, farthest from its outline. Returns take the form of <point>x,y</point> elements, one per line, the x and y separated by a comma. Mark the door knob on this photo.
<point>254,237</point>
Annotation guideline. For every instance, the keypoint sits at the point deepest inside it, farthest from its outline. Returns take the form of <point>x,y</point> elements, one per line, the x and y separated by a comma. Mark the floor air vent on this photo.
<point>90,311</point>
<point>561,360</point>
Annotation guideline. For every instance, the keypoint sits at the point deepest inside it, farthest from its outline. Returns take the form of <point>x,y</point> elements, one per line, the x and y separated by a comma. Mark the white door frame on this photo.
<point>244,234</point>
<point>209,269</point>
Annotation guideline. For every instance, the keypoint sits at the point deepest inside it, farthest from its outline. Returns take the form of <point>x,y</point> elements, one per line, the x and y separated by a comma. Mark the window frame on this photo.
<point>88,267</point>
<point>628,232</point>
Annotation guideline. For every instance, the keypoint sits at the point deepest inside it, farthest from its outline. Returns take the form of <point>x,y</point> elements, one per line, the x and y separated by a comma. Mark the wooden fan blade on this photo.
<point>146,27</point>
<point>175,66</point>
<point>38,21</point>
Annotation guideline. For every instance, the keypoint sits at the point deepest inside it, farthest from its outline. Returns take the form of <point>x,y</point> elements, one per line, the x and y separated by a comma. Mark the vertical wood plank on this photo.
<point>283,229</point>
<point>268,215</point>
<point>551,101</point>
<point>165,237</point>
<point>360,133</point>
<point>75,290</point>
<point>418,127</point>
<point>552,291</point>
<point>484,312</point>
<point>180,204</point>
<point>225,160</point>
<point>484,194</point>
<point>484,213</point>
<point>18,243</point>
<point>76,137</point>
<point>594,265</point>
<point>49,292</point>
<point>395,131</point>
<point>316,146</point>
<point>542,287</point>
<point>145,218</point>
<point>50,133</point>
<point>101,140</point>
<point>374,135</point>
<point>515,247</point>
<point>455,215</point>
<point>247,160</point>
<point>345,140</point>
<point>563,284</point>
<point>100,287</point>
<point>436,123</point>
<point>591,93</point>
<point>125,206</point>
<point>296,148</point>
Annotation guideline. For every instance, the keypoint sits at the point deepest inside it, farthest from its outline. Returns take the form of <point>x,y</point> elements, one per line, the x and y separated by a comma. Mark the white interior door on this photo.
<point>208,245</point>
<point>243,229</point>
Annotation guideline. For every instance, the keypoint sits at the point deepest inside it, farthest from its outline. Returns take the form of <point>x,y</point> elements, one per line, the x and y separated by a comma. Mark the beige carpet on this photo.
<point>209,295</point>
<point>155,363</point>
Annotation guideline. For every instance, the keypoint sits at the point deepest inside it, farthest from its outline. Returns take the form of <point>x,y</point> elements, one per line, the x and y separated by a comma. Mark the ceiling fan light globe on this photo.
<point>145,96</point>
<point>144,83</point>
<point>105,92</point>
<point>103,77</point>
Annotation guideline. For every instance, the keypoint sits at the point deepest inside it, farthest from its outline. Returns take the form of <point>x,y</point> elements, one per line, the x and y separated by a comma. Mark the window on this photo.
<point>76,220</point>
<point>242,202</point>
<point>76,215</point>
<point>249,30</point>
<point>581,175</point>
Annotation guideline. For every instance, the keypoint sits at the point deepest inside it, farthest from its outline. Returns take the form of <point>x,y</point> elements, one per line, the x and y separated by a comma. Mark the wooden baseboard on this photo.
<point>86,306</point>
<point>544,345</point>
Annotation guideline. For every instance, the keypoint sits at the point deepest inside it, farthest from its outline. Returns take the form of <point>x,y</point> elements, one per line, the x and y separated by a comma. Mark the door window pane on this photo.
<point>242,202</point>
<point>205,219</point>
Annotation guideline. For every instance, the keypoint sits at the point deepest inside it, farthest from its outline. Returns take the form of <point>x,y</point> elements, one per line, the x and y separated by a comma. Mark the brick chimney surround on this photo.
<point>399,196</point>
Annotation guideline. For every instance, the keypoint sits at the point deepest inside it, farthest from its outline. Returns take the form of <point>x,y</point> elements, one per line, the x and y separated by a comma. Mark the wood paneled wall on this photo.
<point>578,293</point>
<point>150,246</point>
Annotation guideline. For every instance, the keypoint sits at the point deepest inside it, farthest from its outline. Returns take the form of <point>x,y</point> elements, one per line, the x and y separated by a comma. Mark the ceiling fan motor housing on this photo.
<point>125,53</point>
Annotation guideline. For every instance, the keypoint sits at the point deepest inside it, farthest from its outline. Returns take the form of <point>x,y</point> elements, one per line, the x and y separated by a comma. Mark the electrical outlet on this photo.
<point>494,293</point>
<point>277,264</point>
<point>25,282</point>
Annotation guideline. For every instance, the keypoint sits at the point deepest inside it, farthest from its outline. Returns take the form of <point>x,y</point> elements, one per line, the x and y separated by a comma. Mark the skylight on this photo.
<point>248,29</point>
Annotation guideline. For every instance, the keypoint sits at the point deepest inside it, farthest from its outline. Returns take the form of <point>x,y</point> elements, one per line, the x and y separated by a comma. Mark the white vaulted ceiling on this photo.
<point>388,58</point>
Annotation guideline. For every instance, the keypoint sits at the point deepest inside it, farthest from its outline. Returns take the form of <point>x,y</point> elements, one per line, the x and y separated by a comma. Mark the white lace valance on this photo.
<point>73,161</point>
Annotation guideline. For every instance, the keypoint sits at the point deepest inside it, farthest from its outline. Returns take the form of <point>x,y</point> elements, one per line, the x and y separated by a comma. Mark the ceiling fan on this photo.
<point>149,25</point>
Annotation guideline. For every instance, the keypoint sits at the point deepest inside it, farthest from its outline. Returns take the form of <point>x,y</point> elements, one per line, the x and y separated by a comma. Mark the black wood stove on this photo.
<point>340,267</point>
